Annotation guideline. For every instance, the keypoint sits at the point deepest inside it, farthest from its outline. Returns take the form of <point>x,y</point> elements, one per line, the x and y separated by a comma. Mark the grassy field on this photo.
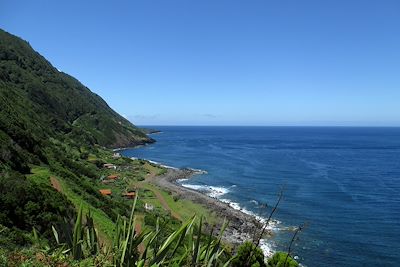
<point>135,174</point>
<point>102,221</point>
<point>184,208</point>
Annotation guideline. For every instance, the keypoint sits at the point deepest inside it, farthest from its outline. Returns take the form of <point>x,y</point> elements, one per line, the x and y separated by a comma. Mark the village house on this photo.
<point>105,192</point>
<point>130,195</point>
<point>109,166</point>
<point>116,155</point>
<point>113,177</point>
<point>148,207</point>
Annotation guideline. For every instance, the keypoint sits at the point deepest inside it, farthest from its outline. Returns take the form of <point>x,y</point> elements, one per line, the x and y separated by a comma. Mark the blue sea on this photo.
<point>342,182</point>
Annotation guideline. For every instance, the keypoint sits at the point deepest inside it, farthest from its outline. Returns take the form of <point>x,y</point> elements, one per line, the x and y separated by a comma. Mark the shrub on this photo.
<point>176,198</point>
<point>24,204</point>
<point>245,251</point>
<point>282,259</point>
<point>3,260</point>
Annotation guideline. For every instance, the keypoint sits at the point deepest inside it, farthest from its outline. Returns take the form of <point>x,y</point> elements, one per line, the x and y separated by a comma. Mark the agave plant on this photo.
<point>80,241</point>
<point>126,243</point>
<point>186,246</point>
<point>183,247</point>
<point>125,247</point>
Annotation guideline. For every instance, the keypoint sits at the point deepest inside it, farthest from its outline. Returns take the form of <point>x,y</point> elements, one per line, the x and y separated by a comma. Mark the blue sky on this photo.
<point>228,62</point>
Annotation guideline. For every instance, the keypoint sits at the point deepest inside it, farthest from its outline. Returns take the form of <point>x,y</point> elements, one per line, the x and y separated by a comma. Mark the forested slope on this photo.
<point>50,120</point>
<point>38,102</point>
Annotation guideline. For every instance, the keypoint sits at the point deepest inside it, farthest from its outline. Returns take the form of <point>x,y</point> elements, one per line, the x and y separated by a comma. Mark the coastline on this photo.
<point>242,226</point>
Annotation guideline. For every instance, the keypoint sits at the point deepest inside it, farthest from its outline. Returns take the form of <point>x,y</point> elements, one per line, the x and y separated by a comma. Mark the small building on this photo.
<point>105,192</point>
<point>109,166</point>
<point>107,181</point>
<point>148,207</point>
<point>116,155</point>
<point>113,177</point>
<point>130,195</point>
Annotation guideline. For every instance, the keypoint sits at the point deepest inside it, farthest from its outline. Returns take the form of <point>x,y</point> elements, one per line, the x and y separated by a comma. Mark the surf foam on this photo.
<point>211,191</point>
<point>216,192</point>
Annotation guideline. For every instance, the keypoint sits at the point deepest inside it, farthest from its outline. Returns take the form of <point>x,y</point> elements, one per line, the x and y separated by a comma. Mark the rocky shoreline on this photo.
<point>241,226</point>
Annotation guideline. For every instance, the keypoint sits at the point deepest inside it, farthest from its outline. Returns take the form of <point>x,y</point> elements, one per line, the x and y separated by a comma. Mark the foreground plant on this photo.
<point>250,254</point>
<point>282,259</point>
<point>186,246</point>
<point>183,247</point>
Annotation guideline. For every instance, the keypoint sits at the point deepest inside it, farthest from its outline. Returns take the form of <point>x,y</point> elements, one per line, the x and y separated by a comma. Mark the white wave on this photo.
<point>200,188</point>
<point>265,245</point>
<point>272,225</point>
<point>212,191</point>
<point>217,192</point>
<point>231,204</point>
<point>198,171</point>
<point>168,167</point>
<point>237,206</point>
<point>267,248</point>
<point>162,165</point>
<point>255,202</point>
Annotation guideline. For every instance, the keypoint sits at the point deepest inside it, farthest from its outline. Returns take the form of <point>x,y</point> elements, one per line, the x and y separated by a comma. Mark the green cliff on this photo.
<point>38,103</point>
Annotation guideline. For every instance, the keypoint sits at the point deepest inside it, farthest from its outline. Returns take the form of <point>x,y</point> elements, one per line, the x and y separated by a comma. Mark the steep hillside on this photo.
<point>52,126</point>
<point>38,102</point>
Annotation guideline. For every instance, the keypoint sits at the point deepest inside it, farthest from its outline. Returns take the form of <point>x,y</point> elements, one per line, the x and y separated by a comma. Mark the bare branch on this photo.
<point>298,230</point>
<point>257,243</point>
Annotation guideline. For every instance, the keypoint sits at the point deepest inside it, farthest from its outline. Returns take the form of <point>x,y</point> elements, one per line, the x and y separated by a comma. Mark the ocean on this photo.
<point>343,183</point>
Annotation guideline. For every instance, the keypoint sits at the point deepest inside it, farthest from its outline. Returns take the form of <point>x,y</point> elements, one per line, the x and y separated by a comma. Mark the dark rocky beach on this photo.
<point>241,226</point>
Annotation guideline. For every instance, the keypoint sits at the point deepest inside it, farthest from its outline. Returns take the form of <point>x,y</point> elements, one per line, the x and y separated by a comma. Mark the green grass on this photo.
<point>157,170</point>
<point>185,208</point>
<point>103,222</point>
<point>40,175</point>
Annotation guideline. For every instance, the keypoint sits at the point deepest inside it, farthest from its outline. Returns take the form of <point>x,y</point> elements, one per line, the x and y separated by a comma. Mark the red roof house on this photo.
<point>105,192</point>
<point>129,194</point>
<point>113,177</point>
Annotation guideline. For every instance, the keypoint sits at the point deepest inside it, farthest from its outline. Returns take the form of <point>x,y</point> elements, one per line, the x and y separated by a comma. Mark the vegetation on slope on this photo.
<point>49,119</point>
<point>38,102</point>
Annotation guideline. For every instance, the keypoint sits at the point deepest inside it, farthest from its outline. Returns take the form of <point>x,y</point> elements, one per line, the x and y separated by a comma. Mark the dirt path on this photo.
<point>55,184</point>
<point>103,239</point>
<point>157,193</point>
<point>165,205</point>
<point>138,230</point>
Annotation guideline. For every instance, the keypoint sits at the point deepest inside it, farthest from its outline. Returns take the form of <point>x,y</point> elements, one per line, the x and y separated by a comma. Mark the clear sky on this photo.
<point>215,62</point>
